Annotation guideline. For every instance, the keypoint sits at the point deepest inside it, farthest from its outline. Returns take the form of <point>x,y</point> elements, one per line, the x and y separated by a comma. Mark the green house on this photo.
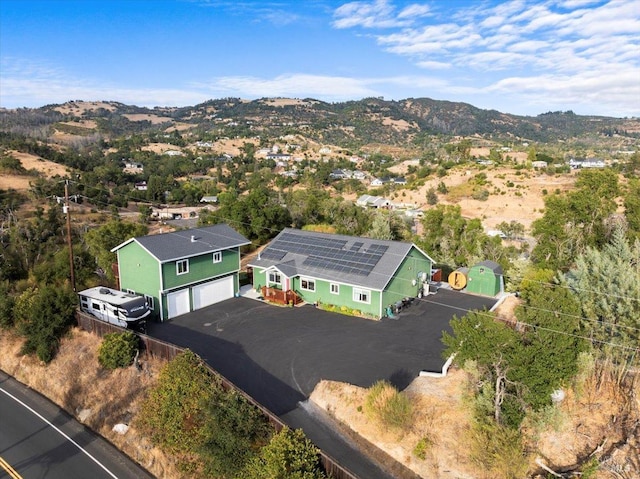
<point>182,271</point>
<point>360,274</point>
<point>485,278</point>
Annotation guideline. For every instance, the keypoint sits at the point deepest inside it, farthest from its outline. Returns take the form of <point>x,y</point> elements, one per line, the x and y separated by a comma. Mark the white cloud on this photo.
<point>297,85</point>
<point>415,11</point>
<point>521,46</point>
<point>431,65</point>
<point>378,14</point>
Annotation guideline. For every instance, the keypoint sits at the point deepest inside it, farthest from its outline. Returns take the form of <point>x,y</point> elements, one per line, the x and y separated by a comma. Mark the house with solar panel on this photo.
<point>182,271</point>
<point>351,273</point>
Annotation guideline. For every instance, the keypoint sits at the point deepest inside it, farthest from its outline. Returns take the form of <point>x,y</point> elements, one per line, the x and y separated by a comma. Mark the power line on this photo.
<point>274,230</point>
<point>407,280</point>
<point>534,326</point>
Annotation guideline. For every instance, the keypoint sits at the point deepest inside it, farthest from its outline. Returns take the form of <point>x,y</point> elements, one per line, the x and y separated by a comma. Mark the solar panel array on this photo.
<point>327,253</point>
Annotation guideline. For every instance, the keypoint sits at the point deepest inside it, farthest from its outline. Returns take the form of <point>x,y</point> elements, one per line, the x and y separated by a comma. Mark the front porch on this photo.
<point>278,296</point>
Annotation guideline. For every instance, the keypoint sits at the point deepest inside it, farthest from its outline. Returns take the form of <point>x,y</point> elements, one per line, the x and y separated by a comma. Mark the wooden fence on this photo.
<point>168,351</point>
<point>277,296</point>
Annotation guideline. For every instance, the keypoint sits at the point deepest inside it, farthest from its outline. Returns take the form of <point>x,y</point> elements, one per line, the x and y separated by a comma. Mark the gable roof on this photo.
<point>492,265</point>
<point>187,243</point>
<point>358,261</point>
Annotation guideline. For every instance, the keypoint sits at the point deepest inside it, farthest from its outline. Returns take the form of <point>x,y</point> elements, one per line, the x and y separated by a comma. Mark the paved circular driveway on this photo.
<point>278,354</point>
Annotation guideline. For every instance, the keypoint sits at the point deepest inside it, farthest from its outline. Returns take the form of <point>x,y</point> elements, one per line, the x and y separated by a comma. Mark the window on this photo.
<point>217,257</point>
<point>274,277</point>
<point>95,306</point>
<point>182,266</point>
<point>308,284</point>
<point>361,296</point>
<point>334,288</point>
<point>149,300</point>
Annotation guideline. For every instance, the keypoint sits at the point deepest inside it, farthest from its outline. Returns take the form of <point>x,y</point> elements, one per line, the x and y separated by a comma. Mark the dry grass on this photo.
<point>75,381</point>
<point>440,421</point>
<point>603,412</point>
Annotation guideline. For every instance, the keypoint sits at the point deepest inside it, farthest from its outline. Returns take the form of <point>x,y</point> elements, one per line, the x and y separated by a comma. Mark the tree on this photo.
<point>145,213</point>
<point>43,315</point>
<point>575,221</point>
<point>478,337</point>
<point>632,207</point>
<point>173,413</point>
<point>606,284</point>
<point>457,241</point>
<point>289,455</point>
<point>100,241</point>
<point>512,230</point>
<point>381,227</point>
<point>551,342</point>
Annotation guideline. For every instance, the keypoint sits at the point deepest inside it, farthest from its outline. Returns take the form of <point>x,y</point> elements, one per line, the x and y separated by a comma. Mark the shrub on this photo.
<point>386,404</point>
<point>480,194</point>
<point>6,308</point>
<point>173,413</point>
<point>43,316</point>
<point>422,446</point>
<point>498,450</point>
<point>235,430</point>
<point>289,455</point>
<point>118,350</point>
<point>432,197</point>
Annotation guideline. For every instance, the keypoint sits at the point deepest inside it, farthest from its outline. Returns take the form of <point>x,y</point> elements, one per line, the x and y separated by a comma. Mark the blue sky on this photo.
<point>517,56</point>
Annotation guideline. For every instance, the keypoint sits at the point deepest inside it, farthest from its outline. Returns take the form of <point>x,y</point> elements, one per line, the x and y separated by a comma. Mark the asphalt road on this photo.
<point>278,355</point>
<point>39,440</point>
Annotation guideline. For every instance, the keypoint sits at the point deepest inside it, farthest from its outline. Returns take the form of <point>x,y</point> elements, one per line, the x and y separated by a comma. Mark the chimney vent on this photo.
<point>193,239</point>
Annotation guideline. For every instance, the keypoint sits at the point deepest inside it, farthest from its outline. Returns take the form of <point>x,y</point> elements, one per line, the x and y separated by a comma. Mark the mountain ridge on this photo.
<point>351,123</point>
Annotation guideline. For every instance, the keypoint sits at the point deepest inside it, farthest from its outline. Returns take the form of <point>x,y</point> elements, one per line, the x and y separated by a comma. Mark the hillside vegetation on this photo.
<point>463,184</point>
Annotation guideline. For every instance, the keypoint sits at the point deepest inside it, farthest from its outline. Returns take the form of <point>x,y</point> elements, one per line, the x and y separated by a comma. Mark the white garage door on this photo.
<point>212,292</point>
<point>178,303</point>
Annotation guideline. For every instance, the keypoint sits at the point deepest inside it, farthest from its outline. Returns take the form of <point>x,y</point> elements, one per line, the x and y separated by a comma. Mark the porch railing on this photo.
<point>278,296</point>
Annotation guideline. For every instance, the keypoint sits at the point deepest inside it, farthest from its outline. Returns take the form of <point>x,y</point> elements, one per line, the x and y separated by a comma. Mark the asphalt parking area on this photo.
<point>278,354</point>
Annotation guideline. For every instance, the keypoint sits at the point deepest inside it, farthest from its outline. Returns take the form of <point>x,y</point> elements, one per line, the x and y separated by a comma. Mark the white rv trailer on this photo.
<point>115,307</point>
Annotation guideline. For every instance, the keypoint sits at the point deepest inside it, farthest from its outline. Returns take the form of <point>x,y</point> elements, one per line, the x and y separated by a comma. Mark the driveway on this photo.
<point>278,354</point>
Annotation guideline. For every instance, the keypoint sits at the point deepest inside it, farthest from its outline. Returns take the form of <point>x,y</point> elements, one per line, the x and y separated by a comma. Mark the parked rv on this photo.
<point>115,307</point>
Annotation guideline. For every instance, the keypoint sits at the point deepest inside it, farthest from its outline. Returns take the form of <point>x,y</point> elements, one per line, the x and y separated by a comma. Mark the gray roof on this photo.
<point>188,243</point>
<point>366,262</point>
<point>492,265</point>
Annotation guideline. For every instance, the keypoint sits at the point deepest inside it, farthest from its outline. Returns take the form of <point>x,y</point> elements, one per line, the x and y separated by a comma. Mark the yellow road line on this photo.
<point>10,470</point>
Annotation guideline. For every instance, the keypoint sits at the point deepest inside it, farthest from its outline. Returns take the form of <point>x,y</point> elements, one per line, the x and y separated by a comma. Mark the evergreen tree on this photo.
<point>607,285</point>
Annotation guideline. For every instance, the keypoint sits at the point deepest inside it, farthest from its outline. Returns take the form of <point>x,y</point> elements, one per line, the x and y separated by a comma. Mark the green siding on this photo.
<point>201,268</point>
<point>401,285</point>
<point>486,283</point>
<point>259,278</point>
<point>323,295</point>
<point>139,272</point>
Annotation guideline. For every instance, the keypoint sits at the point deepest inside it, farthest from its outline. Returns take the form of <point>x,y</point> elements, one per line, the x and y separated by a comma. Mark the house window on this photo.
<point>217,257</point>
<point>182,266</point>
<point>274,277</point>
<point>149,300</point>
<point>334,288</point>
<point>361,296</point>
<point>308,284</point>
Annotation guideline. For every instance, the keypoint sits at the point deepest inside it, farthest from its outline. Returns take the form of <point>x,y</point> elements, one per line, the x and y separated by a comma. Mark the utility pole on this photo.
<point>67,211</point>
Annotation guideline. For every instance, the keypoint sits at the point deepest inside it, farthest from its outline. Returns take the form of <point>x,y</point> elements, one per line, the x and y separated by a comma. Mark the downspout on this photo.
<point>160,297</point>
